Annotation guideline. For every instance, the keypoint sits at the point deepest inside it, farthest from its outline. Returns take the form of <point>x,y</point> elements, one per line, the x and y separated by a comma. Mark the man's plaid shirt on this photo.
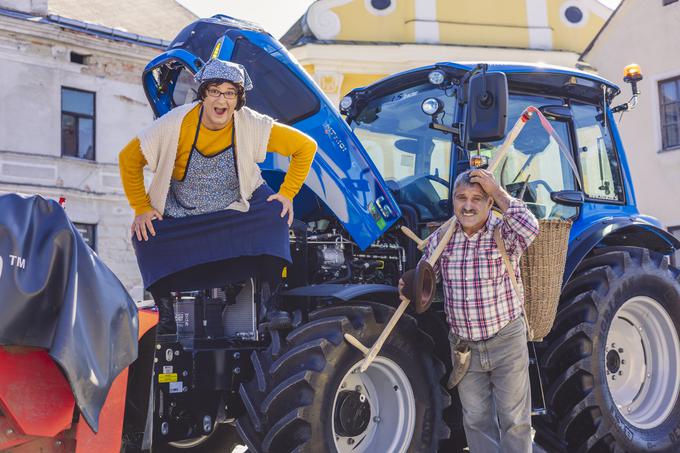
<point>478,293</point>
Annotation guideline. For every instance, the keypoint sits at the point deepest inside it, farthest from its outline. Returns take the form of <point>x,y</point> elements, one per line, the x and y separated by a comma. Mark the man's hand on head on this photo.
<point>485,179</point>
<point>489,184</point>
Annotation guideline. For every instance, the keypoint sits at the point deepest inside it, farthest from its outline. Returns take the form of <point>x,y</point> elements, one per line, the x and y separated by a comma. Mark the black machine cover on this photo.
<point>56,294</point>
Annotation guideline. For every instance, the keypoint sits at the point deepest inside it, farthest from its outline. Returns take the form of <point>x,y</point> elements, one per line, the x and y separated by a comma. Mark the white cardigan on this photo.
<point>160,139</point>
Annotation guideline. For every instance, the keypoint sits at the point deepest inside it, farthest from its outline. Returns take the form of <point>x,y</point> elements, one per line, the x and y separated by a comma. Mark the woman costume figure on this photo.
<point>209,218</point>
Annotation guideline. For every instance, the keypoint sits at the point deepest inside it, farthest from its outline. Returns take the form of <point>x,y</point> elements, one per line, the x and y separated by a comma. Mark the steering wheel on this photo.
<point>540,182</point>
<point>438,179</point>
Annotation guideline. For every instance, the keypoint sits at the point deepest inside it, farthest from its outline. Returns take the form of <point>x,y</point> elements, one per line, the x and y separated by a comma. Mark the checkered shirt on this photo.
<point>478,293</point>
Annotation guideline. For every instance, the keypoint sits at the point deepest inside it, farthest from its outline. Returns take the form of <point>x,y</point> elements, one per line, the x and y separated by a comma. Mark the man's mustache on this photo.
<point>471,211</point>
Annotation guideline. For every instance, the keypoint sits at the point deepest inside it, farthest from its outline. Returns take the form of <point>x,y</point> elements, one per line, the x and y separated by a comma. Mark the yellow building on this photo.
<point>349,43</point>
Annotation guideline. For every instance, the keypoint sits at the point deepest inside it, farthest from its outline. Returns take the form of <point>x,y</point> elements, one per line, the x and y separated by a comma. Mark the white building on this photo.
<point>71,98</point>
<point>647,32</point>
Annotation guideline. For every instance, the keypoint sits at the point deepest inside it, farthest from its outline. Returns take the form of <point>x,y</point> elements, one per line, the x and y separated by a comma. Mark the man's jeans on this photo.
<point>495,392</point>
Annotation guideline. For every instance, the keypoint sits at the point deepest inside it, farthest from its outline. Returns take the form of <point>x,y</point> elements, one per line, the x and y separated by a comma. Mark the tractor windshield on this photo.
<point>414,159</point>
<point>534,166</point>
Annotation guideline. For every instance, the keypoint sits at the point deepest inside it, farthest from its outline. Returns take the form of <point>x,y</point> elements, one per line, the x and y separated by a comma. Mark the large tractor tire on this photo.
<point>308,396</point>
<point>613,358</point>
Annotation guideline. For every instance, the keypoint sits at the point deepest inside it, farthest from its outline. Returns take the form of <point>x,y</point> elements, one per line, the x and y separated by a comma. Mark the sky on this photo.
<point>275,16</point>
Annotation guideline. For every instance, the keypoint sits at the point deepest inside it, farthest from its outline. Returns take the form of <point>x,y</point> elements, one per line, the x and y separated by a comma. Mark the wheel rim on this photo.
<point>641,361</point>
<point>374,411</point>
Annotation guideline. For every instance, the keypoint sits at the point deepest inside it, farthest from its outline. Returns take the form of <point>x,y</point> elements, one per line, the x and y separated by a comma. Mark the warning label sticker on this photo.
<point>164,378</point>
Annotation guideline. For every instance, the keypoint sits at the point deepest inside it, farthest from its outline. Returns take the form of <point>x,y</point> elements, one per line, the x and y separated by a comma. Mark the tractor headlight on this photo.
<point>432,106</point>
<point>345,103</point>
<point>436,77</point>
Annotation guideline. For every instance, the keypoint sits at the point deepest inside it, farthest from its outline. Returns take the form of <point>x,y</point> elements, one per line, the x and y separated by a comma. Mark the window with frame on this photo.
<point>669,102</point>
<point>534,166</point>
<point>413,158</point>
<point>600,169</point>
<point>89,233</point>
<point>77,123</point>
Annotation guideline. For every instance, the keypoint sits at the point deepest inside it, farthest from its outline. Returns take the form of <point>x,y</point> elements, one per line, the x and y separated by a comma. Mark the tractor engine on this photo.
<point>197,372</point>
<point>323,253</point>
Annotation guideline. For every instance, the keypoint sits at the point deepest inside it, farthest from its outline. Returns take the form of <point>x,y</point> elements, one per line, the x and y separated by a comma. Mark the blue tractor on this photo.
<point>611,365</point>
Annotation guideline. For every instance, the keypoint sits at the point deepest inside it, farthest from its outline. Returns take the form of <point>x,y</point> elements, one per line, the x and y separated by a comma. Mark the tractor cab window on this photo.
<point>596,154</point>
<point>414,159</point>
<point>534,166</point>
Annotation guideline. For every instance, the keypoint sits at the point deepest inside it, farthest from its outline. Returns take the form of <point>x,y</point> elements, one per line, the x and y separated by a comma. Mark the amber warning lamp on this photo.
<point>479,161</point>
<point>632,74</point>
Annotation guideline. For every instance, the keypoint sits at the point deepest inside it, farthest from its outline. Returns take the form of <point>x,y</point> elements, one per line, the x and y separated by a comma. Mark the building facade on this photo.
<point>70,99</point>
<point>349,43</point>
<point>647,32</point>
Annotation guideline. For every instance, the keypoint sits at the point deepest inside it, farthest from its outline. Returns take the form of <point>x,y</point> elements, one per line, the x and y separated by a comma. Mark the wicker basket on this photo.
<point>542,268</point>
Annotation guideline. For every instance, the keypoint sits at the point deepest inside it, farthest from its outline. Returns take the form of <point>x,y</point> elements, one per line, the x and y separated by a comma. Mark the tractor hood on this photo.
<point>343,182</point>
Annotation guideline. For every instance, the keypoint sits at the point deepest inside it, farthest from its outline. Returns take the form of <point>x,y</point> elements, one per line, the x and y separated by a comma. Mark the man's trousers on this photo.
<point>495,392</point>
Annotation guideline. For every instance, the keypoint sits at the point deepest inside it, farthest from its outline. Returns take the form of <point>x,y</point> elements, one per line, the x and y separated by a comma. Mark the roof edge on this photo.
<point>595,38</point>
<point>89,28</point>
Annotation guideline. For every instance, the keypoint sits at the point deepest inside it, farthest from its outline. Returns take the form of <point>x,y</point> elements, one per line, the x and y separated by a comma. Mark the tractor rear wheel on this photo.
<point>613,358</point>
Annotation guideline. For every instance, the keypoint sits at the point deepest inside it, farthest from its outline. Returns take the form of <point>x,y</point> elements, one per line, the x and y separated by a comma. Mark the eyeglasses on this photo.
<point>215,93</point>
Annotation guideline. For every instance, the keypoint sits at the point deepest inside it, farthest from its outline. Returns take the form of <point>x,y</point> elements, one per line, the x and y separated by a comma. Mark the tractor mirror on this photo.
<point>487,114</point>
<point>568,197</point>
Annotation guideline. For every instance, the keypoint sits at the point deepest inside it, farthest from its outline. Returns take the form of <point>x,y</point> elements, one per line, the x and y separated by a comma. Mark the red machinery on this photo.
<point>37,407</point>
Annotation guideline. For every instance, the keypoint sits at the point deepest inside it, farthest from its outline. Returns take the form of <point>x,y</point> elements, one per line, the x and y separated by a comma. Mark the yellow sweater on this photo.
<point>283,140</point>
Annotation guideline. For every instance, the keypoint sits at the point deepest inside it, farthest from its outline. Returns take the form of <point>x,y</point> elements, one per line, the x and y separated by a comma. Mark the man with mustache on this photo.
<point>485,314</point>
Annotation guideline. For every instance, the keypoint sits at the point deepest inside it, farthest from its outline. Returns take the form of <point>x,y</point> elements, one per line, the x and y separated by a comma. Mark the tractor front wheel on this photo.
<point>308,394</point>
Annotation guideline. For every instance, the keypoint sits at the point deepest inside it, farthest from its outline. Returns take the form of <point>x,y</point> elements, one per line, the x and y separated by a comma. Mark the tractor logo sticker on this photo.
<point>333,135</point>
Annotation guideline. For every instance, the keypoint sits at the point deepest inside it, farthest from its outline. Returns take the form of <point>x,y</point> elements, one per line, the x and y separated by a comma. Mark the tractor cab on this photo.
<point>422,127</point>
